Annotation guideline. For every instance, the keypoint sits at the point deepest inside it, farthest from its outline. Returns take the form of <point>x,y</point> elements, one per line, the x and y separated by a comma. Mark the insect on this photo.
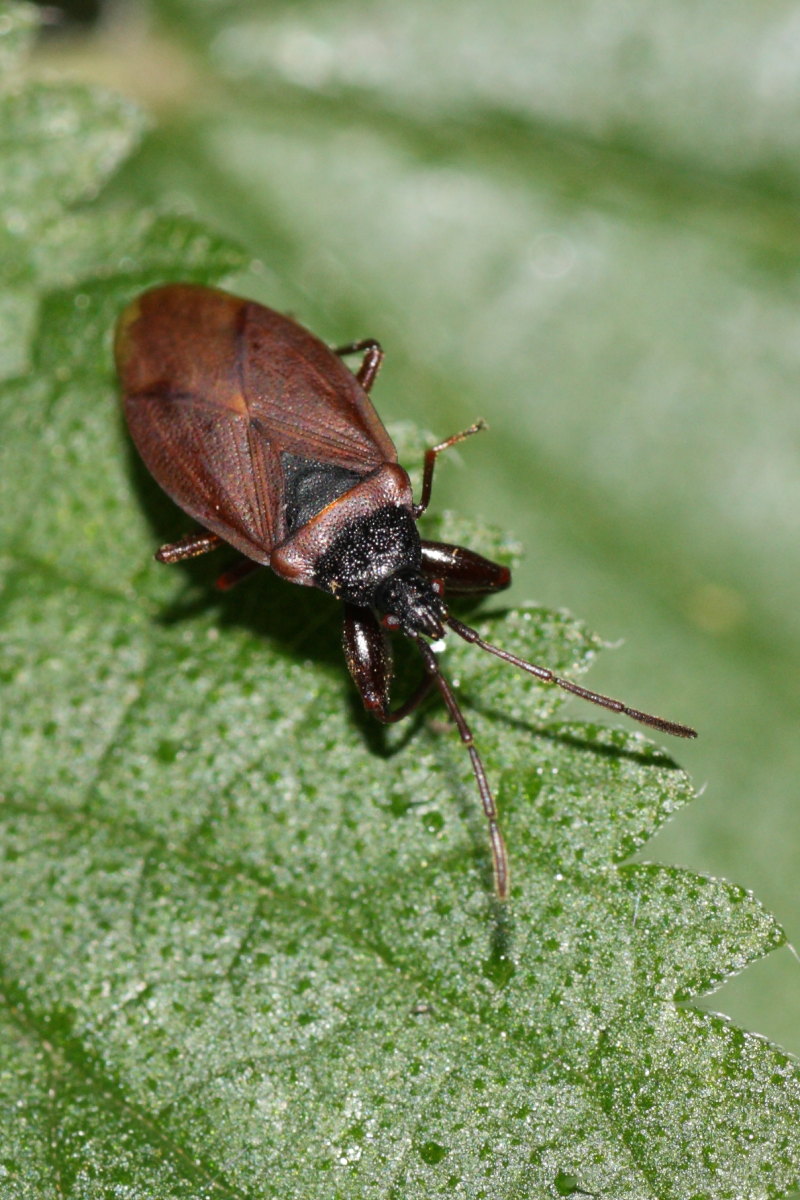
<point>259,432</point>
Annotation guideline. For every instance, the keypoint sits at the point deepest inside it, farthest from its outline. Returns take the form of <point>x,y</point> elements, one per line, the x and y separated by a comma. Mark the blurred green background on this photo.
<point>580,221</point>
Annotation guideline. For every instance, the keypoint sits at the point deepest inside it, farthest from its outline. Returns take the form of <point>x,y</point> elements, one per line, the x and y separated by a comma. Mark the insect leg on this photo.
<point>498,846</point>
<point>371,364</point>
<point>430,462</point>
<point>189,546</point>
<point>463,571</point>
<point>236,573</point>
<point>369,659</point>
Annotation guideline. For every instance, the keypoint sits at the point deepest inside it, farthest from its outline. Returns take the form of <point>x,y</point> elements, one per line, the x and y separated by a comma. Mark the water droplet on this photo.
<point>499,968</point>
<point>399,805</point>
<point>433,822</point>
<point>567,1185</point>
<point>167,751</point>
<point>432,1153</point>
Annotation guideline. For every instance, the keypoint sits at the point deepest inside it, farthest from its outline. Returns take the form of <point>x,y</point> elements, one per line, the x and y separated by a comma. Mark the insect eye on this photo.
<point>438,586</point>
<point>390,622</point>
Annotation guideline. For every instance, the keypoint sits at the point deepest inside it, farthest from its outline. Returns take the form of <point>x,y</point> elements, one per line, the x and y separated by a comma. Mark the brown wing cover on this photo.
<point>216,388</point>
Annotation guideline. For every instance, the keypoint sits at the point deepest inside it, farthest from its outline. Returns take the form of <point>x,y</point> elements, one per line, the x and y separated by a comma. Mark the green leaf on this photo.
<point>249,946</point>
<point>18,25</point>
<point>579,222</point>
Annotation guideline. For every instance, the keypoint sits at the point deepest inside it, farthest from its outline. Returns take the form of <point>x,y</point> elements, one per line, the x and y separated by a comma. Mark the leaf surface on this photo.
<point>249,946</point>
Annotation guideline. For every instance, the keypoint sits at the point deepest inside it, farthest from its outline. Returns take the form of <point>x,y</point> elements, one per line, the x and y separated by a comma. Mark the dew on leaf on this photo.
<point>432,1153</point>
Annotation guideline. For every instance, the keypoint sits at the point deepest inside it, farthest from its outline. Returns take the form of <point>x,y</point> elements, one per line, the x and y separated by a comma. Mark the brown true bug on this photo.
<point>262,435</point>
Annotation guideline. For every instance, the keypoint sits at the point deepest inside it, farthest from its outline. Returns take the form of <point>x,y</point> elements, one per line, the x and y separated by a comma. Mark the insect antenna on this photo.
<point>547,676</point>
<point>498,846</point>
